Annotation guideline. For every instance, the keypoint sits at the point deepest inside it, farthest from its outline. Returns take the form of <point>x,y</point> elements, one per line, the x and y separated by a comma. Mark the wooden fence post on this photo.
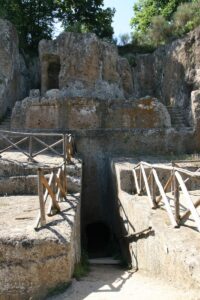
<point>55,204</point>
<point>153,189</point>
<point>64,147</point>
<point>176,198</point>
<point>140,170</point>
<point>41,198</point>
<point>65,177</point>
<point>30,148</point>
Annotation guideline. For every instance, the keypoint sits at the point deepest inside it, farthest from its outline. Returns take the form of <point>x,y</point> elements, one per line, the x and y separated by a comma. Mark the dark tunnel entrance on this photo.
<point>98,240</point>
<point>53,74</point>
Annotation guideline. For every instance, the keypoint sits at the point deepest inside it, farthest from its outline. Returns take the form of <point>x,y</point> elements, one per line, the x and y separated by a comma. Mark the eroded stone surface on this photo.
<point>11,65</point>
<point>56,111</point>
<point>33,262</point>
<point>86,66</point>
<point>171,73</point>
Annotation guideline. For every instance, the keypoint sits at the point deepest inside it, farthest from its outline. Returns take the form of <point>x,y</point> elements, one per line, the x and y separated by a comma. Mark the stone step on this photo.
<point>104,261</point>
<point>177,117</point>
<point>12,168</point>
<point>28,185</point>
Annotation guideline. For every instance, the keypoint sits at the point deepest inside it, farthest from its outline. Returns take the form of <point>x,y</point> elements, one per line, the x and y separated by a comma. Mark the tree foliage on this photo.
<point>157,22</point>
<point>145,10</point>
<point>35,19</point>
<point>86,16</point>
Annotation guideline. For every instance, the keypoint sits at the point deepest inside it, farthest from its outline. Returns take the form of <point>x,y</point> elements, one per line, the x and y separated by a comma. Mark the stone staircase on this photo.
<point>5,124</point>
<point>21,179</point>
<point>177,117</point>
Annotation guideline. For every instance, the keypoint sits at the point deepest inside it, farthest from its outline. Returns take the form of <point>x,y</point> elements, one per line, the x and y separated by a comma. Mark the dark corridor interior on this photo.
<point>53,74</point>
<point>98,240</point>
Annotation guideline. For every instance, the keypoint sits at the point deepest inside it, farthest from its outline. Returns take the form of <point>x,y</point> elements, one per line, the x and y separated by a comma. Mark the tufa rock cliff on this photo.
<point>83,65</point>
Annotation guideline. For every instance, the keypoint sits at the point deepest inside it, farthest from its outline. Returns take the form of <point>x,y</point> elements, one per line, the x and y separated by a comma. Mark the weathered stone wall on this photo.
<point>18,73</point>
<point>171,73</point>
<point>10,64</point>
<point>62,113</point>
<point>88,67</point>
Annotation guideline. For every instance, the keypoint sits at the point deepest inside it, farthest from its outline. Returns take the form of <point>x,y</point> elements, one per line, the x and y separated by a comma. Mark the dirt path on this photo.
<point>113,283</point>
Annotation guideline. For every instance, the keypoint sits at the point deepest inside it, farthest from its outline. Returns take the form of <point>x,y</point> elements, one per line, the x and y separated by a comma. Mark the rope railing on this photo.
<point>28,144</point>
<point>146,179</point>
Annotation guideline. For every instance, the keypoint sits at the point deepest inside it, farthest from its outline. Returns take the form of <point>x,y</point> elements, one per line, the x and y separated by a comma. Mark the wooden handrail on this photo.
<point>55,187</point>
<point>65,139</point>
<point>188,199</point>
<point>176,181</point>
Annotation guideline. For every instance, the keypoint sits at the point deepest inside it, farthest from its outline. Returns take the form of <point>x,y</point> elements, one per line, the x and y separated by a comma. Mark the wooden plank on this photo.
<point>147,187</point>
<point>48,147</point>
<point>187,213</point>
<point>136,181</point>
<point>188,200</point>
<point>165,188</point>
<point>30,147</point>
<point>51,193</point>
<point>17,143</point>
<point>57,179</point>
<point>165,199</point>
<point>65,177</point>
<point>69,148</point>
<point>140,178</point>
<point>17,133</point>
<point>41,199</point>
<point>15,146</point>
<point>176,199</point>
<point>49,183</point>
<point>153,189</point>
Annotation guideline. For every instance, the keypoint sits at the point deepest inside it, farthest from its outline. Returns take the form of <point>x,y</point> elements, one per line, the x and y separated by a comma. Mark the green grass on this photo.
<point>82,268</point>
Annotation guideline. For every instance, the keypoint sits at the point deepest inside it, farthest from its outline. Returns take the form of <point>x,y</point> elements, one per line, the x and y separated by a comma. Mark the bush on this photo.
<point>159,32</point>
<point>187,17</point>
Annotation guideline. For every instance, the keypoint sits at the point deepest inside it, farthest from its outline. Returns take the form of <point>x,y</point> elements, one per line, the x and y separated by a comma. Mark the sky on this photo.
<point>121,20</point>
<point>123,14</point>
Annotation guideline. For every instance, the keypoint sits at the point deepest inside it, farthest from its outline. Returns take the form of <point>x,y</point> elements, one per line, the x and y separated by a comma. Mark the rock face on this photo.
<point>171,73</point>
<point>57,112</point>
<point>12,68</point>
<point>18,73</point>
<point>83,65</point>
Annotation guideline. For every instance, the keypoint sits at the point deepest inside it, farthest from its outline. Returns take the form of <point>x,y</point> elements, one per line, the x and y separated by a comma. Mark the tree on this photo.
<point>145,10</point>
<point>86,16</point>
<point>124,38</point>
<point>35,19</point>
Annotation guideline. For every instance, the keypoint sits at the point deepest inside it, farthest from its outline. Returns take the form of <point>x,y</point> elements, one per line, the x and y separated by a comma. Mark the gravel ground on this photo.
<point>113,283</point>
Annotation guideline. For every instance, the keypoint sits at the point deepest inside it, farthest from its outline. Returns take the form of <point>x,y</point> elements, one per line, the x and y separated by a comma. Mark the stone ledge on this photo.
<point>34,262</point>
<point>165,252</point>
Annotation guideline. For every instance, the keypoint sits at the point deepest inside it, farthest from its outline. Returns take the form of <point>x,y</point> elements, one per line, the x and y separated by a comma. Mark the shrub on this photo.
<point>187,17</point>
<point>160,31</point>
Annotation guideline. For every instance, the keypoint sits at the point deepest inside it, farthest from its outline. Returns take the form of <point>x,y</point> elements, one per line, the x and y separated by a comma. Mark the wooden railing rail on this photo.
<point>26,143</point>
<point>52,187</point>
<point>156,191</point>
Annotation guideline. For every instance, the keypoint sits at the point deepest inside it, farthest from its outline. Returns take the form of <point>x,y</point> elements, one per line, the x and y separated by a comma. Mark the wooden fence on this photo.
<point>29,143</point>
<point>147,181</point>
<point>53,185</point>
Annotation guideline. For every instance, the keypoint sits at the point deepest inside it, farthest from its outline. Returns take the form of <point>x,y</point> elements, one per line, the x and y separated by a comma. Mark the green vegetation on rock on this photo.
<point>158,22</point>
